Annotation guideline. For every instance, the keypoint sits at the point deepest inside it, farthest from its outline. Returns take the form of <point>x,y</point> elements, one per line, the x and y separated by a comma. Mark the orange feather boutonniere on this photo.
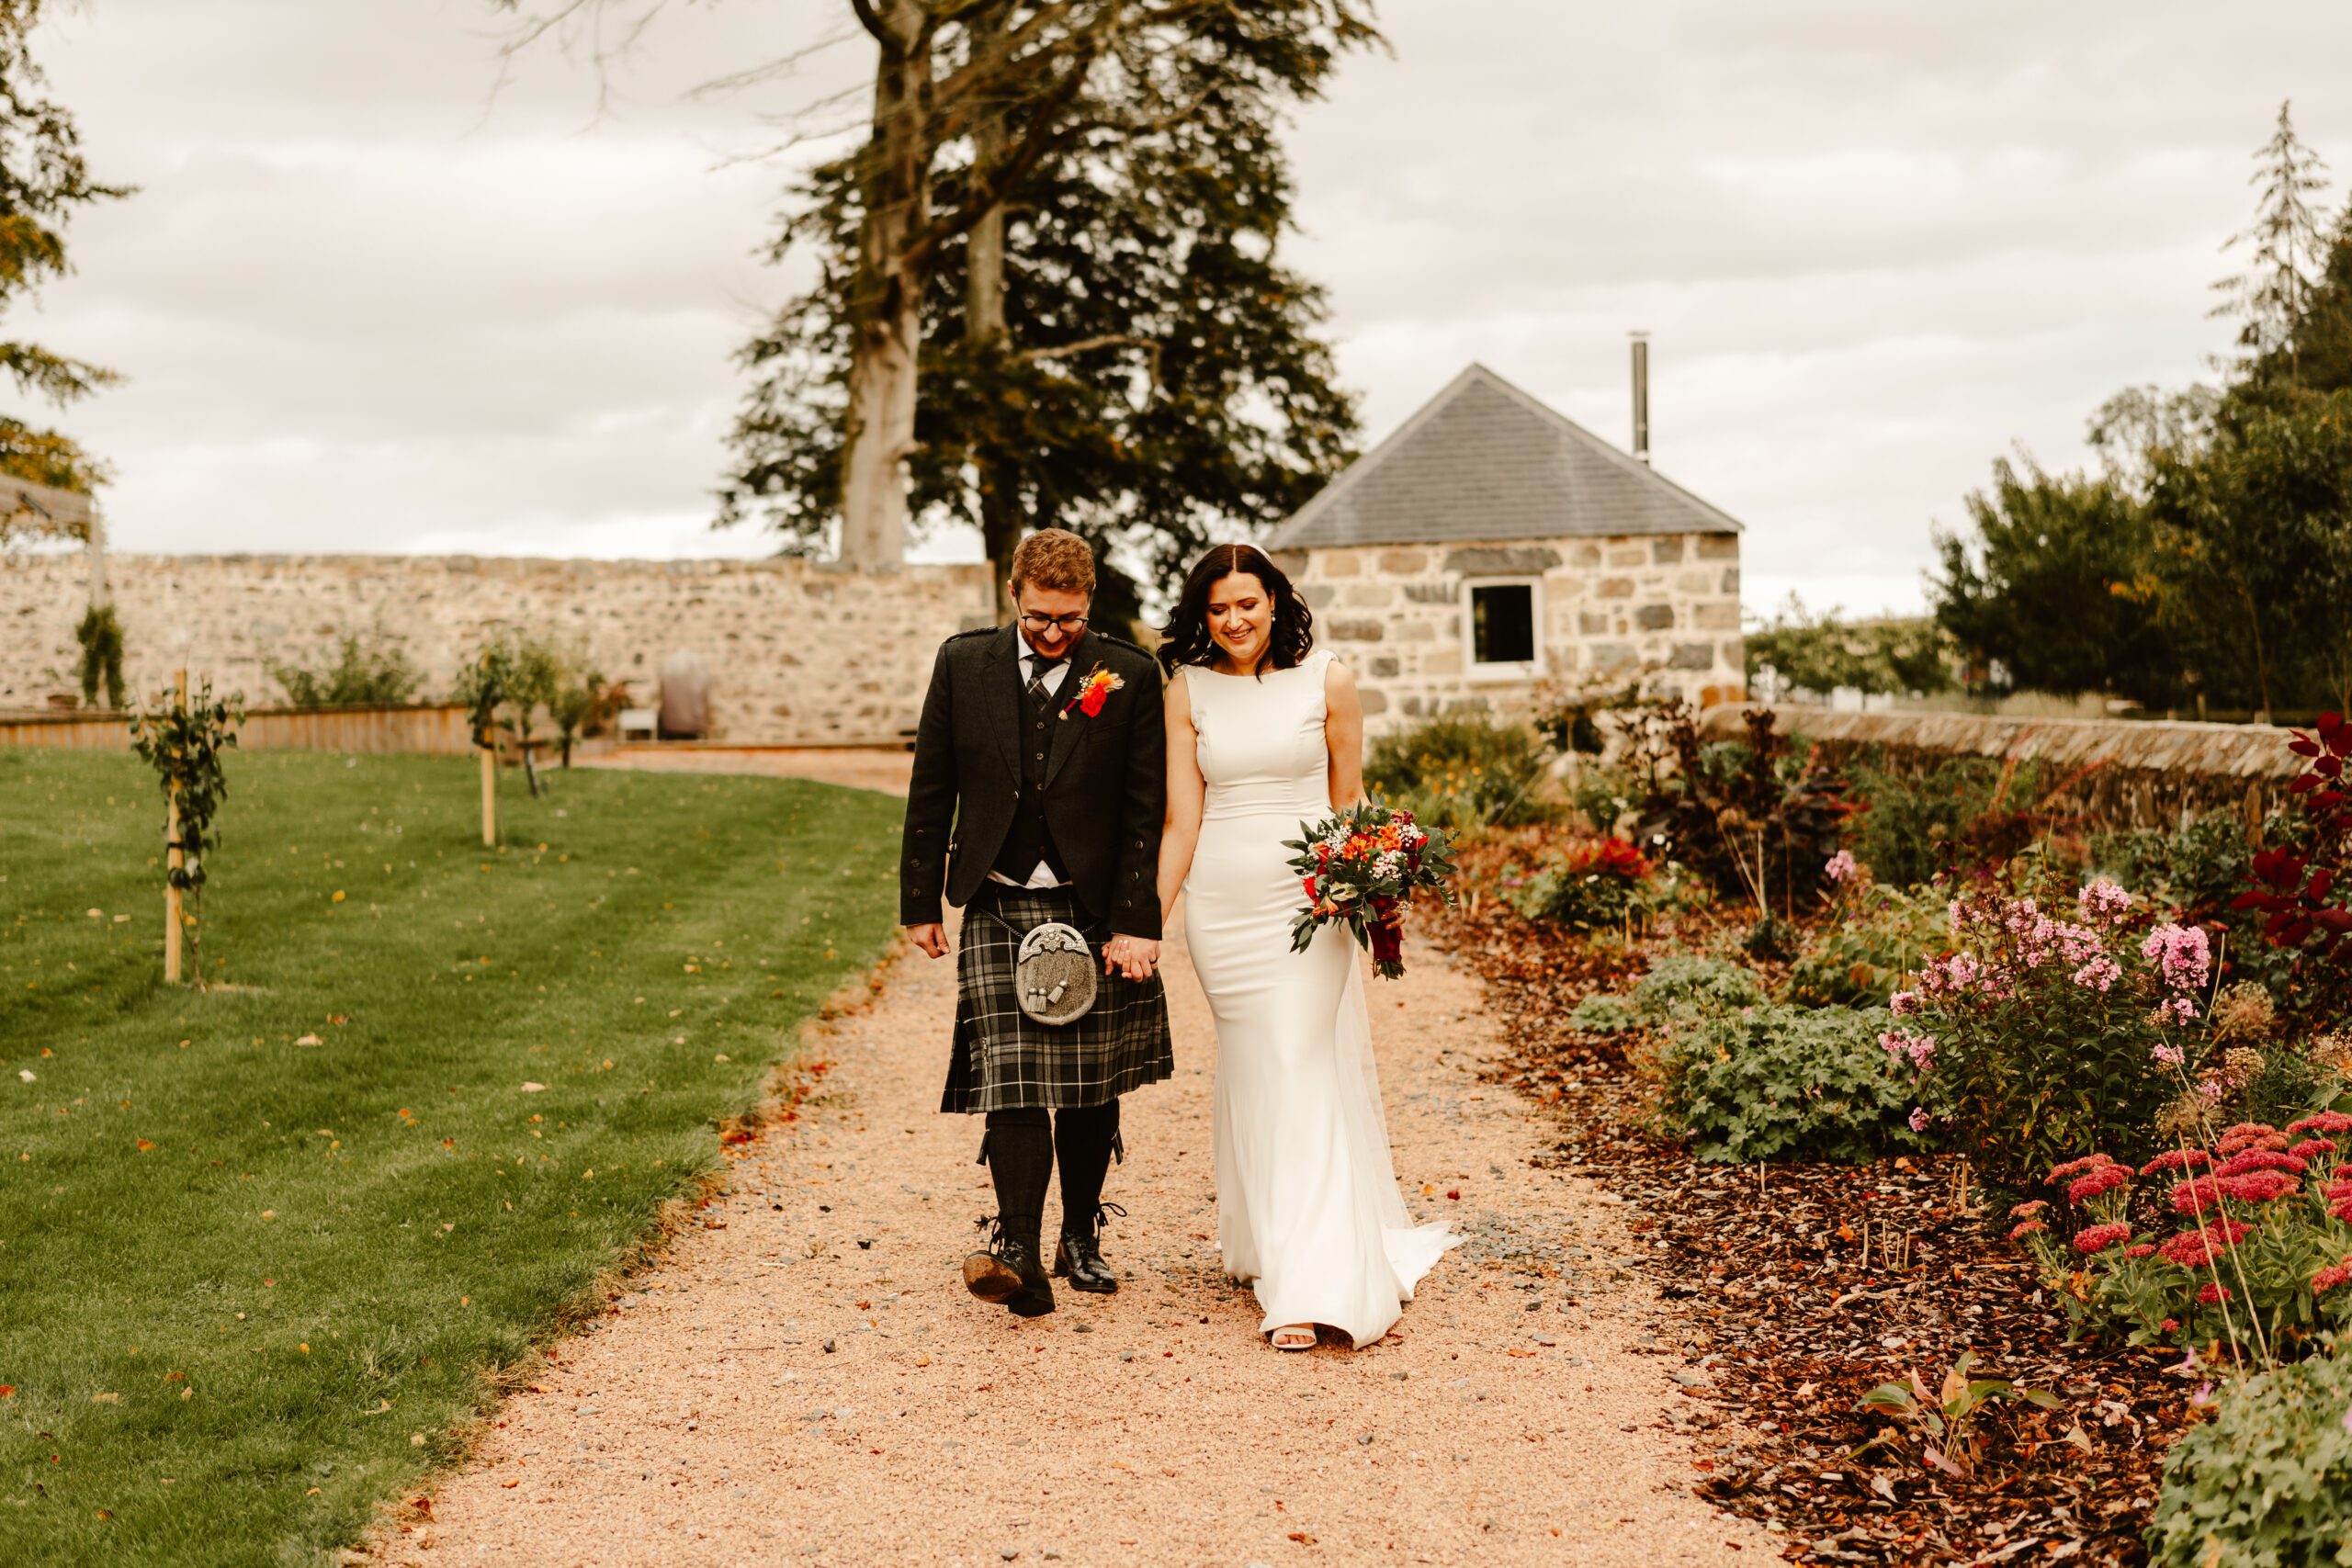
<point>1093,692</point>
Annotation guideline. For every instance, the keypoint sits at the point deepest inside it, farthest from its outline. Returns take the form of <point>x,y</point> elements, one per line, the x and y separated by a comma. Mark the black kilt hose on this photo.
<point>996,773</point>
<point>1005,1060</point>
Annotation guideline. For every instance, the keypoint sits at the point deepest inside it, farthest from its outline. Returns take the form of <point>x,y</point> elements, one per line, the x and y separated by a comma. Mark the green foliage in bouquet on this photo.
<point>2269,1479</point>
<point>1462,772</point>
<point>1361,868</point>
<point>1772,1081</point>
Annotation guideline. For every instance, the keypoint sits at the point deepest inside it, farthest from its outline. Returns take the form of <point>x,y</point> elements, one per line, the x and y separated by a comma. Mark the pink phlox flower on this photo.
<point>2213,1290</point>
<point>2025,1229</point>
<point>1920,1119</point>
<point>2164,1054</point>
<point>2259,1186</point>
<point>2019,916</point>
<point>1919,1050</point>
<point>2079,944</point>
<point>2098,975</point>
<point>2175,1159</point>
<point>2030,1208</point>
<point>2260,1159</point>
<point>1840,867</point>
<point>2106,1178</point>
<point>2175,1010</point>
<point>2211,1091</point>
<point>1903,1004</point>
<point>2179,954</point>
<point>2321,1122</point>
<point>2329,1278</point>
<point>2035,945</point>
<point>2103,899</point>
<point>1952,917</point>
<point>2098,1238</point>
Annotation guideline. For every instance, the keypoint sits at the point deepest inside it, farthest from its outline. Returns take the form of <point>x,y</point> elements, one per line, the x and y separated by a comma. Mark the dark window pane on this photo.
<point>1502,623</point>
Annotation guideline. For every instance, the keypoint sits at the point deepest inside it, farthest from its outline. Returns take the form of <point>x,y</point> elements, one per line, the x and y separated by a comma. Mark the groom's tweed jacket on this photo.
<point>1103,779</point>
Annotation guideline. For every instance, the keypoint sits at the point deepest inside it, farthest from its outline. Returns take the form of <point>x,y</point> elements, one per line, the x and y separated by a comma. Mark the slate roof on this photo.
<point>1484,460</point>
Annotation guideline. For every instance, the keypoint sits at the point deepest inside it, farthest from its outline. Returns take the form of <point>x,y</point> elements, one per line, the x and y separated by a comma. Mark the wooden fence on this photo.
<point>436,730</point>
<point>2104,773</point>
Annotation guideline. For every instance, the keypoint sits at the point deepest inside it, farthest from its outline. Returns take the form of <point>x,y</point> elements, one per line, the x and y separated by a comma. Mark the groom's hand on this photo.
<point>1131,956</point>
<point>931,938</point>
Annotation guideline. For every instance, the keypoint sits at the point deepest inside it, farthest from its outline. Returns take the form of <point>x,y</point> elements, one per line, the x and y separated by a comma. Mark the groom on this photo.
<point>1038,794</point>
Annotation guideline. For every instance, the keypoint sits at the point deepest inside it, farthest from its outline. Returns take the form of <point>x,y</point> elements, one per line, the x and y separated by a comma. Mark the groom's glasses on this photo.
<point>1039,623</point>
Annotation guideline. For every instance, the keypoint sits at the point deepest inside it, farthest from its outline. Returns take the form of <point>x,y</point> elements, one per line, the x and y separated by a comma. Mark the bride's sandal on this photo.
<point>1293,1336</point>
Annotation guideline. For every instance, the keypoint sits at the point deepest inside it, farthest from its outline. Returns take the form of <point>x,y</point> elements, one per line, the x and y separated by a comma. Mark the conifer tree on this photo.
<point>2288,246</point>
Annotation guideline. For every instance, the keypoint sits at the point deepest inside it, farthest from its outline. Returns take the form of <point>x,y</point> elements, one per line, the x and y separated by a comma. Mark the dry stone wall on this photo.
<point>800,652</point>
<point>1664,608</point>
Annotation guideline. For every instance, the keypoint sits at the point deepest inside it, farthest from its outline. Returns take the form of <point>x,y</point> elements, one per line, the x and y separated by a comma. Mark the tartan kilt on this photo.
<point>1005,1060</point>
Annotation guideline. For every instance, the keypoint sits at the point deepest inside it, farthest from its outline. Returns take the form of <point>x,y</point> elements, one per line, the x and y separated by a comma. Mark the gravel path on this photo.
<point>809,1383</point>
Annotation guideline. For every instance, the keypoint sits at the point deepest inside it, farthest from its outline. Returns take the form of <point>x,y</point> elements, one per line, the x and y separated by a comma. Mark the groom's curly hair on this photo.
<point>1291,636</point>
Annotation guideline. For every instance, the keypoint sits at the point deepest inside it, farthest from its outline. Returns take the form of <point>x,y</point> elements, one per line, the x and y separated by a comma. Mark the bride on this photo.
<point>1263,734</point>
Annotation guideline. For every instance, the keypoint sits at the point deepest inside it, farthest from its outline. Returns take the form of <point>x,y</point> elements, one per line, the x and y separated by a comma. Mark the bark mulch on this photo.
<point>1797,1288</point>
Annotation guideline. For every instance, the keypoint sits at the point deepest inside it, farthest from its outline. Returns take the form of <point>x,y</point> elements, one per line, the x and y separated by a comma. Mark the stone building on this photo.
<point>1491,546</point>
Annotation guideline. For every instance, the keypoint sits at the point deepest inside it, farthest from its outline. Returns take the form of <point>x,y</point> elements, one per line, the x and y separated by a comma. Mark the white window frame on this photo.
<point>1509,669</point>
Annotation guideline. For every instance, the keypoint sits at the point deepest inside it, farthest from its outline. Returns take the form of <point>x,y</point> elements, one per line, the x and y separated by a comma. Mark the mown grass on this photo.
<point>250,1285</point>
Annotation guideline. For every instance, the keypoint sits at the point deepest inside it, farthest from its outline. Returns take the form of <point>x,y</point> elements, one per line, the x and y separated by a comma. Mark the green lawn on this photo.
<point>259,1244</point>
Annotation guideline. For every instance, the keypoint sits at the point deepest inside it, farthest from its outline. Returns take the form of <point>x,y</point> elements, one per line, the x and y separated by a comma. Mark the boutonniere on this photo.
<point>1092,691</point>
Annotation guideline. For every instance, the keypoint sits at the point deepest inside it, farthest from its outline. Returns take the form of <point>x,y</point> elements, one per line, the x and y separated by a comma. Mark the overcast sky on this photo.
<point>367,299</point>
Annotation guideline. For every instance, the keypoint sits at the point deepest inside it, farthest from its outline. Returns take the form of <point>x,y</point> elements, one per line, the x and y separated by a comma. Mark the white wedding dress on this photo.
<point>1308,1207</point>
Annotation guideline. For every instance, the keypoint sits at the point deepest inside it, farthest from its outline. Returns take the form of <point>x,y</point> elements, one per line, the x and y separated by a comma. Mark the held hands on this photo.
<point>1131,956</point>
<point>931,938</point>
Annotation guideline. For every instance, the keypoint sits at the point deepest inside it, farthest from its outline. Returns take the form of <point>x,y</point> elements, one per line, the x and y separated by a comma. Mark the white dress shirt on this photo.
<point>1043,877</point>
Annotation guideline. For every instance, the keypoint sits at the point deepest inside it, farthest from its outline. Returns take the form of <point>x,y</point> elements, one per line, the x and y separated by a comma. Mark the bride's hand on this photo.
<point>1131,956</point>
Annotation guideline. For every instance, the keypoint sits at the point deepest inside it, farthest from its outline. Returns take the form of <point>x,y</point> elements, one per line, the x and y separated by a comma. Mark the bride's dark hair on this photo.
<point>1289,636</point>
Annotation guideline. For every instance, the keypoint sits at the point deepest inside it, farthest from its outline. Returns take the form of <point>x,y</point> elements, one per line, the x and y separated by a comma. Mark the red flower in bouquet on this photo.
<point>1362,868</point>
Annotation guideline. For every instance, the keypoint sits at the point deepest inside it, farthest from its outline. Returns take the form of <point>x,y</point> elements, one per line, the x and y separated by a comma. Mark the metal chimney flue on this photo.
<point>1641,396</point>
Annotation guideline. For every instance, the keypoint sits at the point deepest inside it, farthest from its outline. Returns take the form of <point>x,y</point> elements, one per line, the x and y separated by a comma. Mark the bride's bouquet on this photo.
<point>1362,866</point>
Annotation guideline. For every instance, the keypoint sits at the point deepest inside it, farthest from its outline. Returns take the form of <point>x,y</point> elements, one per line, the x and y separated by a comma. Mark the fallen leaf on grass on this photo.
<point>146,1143</point>
<point>309,1040</point>
<point>105,1399</point>
<point>533,1088</point>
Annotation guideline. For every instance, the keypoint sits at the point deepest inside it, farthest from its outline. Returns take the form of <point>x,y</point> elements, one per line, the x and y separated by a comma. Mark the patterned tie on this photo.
<point>1042,667</point>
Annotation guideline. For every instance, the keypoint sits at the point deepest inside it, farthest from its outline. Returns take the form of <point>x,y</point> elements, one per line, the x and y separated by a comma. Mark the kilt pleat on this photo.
<point>1005,1060</point>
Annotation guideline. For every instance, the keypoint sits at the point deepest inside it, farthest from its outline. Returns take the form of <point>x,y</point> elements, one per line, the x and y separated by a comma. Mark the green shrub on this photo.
<point>1687,983</point>
<point>1606,1014</point>
<point>1462,770</point>
<point>1780,1082</point>
<point>1915,820</point>
<point>1585,884</point>
<point>366,671</point>
<point>2050,1031</point>
<point>2269,1479</point>
<point>1875,937</point>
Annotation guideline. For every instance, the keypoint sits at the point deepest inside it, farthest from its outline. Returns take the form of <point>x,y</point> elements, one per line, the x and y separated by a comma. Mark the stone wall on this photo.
<point>1665,608</point>
<point>799,653</point>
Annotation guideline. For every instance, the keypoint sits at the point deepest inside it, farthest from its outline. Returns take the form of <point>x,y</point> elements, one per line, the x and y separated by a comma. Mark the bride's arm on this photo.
<point>1181,831</point>
<point>1343,735</point>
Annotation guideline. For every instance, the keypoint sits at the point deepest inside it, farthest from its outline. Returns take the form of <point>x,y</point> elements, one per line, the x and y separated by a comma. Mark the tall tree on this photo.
<point>2254,539</point>
<point>2289,245</point>
<point>2054,587</point>
<point>42,180</point>
<point>1116,349</point>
